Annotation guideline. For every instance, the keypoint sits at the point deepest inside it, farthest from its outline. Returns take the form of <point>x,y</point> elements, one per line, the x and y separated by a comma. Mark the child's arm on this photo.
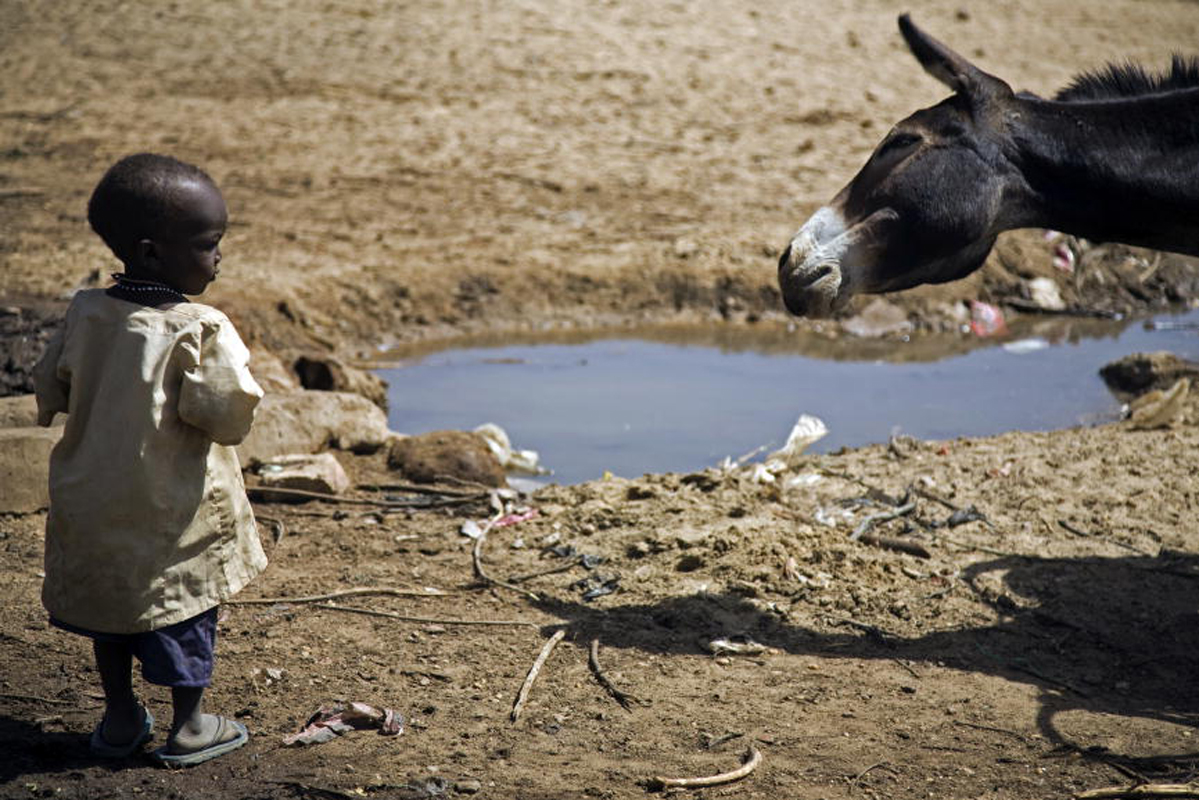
<point>52,392</point>
<point>219,394</point>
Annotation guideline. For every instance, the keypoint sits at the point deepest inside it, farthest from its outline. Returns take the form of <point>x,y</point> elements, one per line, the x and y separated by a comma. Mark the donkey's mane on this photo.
<point>1131,80</point>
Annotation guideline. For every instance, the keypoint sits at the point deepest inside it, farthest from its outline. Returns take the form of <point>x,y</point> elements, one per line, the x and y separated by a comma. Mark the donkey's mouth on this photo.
<point>811,289</point>
<point>810,267</point>
<point>823,266</point>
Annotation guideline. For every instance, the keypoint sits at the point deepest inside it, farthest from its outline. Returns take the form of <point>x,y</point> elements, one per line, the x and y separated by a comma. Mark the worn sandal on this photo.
<point>217,747</point>
<point>103,749</point>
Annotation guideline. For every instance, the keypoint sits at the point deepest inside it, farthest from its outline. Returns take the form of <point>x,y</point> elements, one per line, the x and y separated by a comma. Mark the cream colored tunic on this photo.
<point>149,523</point>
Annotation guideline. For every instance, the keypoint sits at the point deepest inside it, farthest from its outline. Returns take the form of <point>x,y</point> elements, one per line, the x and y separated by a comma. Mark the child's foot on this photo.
<point>119,736</point>
<point>215,736</point>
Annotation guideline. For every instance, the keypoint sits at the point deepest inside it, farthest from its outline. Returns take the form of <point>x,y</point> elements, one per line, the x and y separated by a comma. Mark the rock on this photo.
<point>328,374</point>
<point>432,457</point>
<point>18,412</point>
<point>310,473</point>
<point>878,318</point>
<point>1160,408</point>
<point>308,422</point>
<point>271,373</point>
<point>25,468</point>
<point>1143,372</point>
<point>1045,294</point>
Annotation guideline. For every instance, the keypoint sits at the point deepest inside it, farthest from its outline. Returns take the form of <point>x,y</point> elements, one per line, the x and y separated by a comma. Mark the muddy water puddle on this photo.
<point>678,400</point>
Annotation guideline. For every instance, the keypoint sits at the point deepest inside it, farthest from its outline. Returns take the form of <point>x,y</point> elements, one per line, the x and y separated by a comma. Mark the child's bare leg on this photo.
<point>192,729</point>
<point>123,718</point>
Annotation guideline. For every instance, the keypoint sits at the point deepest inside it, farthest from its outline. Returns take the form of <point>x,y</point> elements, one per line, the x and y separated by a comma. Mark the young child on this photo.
<point>149,526</point>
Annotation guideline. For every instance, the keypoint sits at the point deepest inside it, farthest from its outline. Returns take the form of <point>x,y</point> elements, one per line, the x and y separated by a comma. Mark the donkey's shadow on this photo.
<point>1103,635</point>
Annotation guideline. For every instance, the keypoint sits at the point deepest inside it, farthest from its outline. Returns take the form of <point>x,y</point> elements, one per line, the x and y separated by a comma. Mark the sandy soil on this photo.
<point>423,172</point>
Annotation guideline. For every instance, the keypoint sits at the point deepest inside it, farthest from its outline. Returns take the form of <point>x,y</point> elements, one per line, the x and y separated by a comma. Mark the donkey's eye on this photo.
<point>899,141</point>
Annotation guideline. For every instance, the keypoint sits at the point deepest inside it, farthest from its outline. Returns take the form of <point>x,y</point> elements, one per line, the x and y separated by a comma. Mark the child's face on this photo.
<point>185,254</point>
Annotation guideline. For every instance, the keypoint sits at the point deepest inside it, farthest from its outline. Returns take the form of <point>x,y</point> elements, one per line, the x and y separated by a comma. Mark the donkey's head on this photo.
<point>925,208</point>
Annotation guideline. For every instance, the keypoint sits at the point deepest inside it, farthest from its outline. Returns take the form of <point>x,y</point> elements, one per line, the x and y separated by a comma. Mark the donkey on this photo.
<point>1113,157</point>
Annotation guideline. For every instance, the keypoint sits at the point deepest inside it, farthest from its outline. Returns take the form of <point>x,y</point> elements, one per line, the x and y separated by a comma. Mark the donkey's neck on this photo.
<point>1124,170</point>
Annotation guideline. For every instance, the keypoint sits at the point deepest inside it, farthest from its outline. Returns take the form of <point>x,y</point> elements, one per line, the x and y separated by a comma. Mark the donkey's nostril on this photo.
<point>814,275</point>
<point>785,258</point>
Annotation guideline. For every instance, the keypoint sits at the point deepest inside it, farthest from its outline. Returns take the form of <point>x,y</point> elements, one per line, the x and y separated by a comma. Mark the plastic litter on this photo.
<point>1046,294</point>
<point>986,319</point>
<point>806,431</point>
<point>735,646</point>
<point>332,721</point>
<point>526,461</point>
<point>594,586</point>
<point>1063,257</point>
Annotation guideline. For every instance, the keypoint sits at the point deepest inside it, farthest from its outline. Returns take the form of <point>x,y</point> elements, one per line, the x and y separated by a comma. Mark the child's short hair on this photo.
<point>134,197</point>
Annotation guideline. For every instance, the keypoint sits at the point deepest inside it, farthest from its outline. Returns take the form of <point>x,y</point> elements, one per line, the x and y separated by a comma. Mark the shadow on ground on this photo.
<point>1116,636</point>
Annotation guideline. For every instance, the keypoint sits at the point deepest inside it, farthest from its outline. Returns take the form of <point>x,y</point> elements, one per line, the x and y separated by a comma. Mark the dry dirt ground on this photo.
<point>403,172</point>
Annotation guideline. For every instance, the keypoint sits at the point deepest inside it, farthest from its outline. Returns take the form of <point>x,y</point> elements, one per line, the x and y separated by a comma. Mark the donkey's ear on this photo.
<point>948,67</point>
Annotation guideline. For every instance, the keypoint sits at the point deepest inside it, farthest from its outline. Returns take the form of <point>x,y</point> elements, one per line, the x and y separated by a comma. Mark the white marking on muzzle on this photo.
<point>814,266</point>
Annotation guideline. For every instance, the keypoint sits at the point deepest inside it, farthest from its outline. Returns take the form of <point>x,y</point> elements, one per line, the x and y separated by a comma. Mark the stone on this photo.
<point>879,318</point>
<point>25,468</point>
<point>457,455</point>
<point>19,411</point>
<point>304,421</point>
<point>1160,408</point>
<point>328,374</point>
<point>1139,373</point>
<point>271,373</point>
<point>320,472</point>
<point>1044,292</point>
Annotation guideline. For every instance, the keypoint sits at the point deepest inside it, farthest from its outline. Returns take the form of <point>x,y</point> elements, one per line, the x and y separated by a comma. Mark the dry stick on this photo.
<point>356,591</point>
<point>753,757</point>
<point>862,533</point>
<point>35,699</point>
<point>865,525</point>
<point>891,543</point>
<point>414,488</point>
<point>429,620</point>
<point>361,501</point>
<point>625,699</point>
<point>1087,534</point>
<point>278,524</point>
<point>477,558</point>
<point>871,768</point>
<point>551,571</point>
<point>1143,790</point>
<point>936,498</point>
<point>523,695</point>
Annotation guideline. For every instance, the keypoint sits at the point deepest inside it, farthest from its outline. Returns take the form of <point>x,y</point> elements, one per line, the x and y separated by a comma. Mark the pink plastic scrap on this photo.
<point>1063,257</point>
<point>986,319</point>
<point>329,722</point>
<point>514,518</point>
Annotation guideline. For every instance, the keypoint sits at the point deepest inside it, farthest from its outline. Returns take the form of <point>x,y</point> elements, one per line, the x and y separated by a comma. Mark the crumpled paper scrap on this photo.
<point>526,461</point>
<point>332,721</point>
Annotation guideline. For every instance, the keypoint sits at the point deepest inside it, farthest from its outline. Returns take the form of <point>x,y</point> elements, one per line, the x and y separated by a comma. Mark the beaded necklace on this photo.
<point>143,291</point>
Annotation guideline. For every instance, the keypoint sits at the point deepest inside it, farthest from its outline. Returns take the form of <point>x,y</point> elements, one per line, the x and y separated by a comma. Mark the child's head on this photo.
<point>162,218</point>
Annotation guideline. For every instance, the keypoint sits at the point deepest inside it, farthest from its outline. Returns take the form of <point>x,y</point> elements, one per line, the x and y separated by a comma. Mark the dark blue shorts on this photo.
<point>177,655</point>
